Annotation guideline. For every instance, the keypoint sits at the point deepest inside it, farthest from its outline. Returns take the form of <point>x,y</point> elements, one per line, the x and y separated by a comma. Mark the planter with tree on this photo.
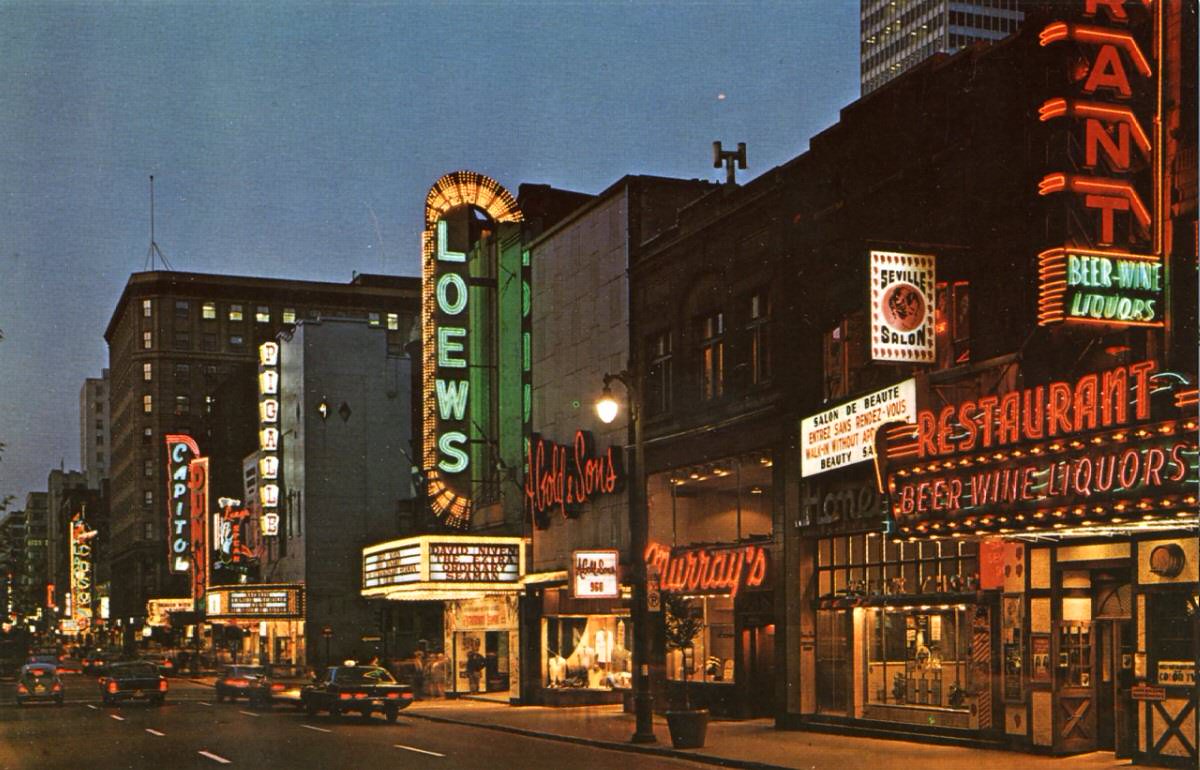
<point>687,725</point>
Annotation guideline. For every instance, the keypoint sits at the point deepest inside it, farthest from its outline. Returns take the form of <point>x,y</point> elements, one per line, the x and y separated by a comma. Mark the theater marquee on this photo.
<point>443,567</point>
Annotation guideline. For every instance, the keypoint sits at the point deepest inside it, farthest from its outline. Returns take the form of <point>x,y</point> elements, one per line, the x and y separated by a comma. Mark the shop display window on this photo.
<point>918,657</point>
<point>1172,639</point>
<point>592,651</point>
<point>711,658</point>
<point>871,564</point>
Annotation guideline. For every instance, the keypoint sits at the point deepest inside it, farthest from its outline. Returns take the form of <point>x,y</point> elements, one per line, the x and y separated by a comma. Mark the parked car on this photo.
<point>238,682</point>
<point>280,684</point>
<point>165,660</point>
<point>365,689</point>
<point>39,682</point>
<point>42,658</point>
<point>133,680</point>
<point>98,661</point>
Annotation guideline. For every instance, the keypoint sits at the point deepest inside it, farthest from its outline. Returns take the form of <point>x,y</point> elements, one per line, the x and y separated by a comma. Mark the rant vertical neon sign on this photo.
<point>81,571</point>
<point>181,450</point>
<point>1110,270</point>
<point>447,369</point>
<point>268,437</point>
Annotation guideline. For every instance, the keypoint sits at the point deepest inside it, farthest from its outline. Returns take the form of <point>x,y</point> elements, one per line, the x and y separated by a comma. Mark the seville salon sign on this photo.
<point>1047,457</point>
<point>565,478</point>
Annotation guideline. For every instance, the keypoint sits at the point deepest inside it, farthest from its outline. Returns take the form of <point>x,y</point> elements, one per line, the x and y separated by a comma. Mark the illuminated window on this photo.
<point>183,308</point>
<point>209,402</point>
<point>148,534</point>
<point>710,330</point>
<point>146,311</point>
<point>953,323</point>
<point>183,406</point>
<point>658,373</point>
<point>148,468</point>
<point>209,311</point>
<point>235,312</point>
<point>147,436</point>
<point>759,330</point>
<point>147,371</point>
<point>262,314</point>
<point>147,498</point>
<point>236,340</point>
<point>393,322</point>
<point>147,340</point>
<point>147,404</point>
<point>712,654</point>
<point>373,319</point>
<point>289,315</point>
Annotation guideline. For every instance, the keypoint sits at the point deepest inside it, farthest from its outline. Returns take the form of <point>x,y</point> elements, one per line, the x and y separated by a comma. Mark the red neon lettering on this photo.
<point>1033,413</point>
<point>1115,9</point>
<point>704,570</point>
<point>1059,408</point>
<point>1009,429</point>
<point>1179,462</point>
<point>1105,470</point>
<point>1107,204</point>
<point>1086,408</point>
<point>1098,137</point>
<point>1130,464</point>
<point>926,434</point>
<point>1108,72</point>
<point>943,433</point>
<point>1141,379</point>
<point>1155,459</point>
<point>966,418</point>
<point>1114,406</point>
<point>987,405</point>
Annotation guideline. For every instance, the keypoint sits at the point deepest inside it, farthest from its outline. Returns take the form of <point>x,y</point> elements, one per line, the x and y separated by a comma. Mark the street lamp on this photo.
<point>639,526</point>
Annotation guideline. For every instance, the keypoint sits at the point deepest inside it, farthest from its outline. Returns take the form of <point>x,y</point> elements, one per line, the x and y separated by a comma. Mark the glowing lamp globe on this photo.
<point>607,407</point>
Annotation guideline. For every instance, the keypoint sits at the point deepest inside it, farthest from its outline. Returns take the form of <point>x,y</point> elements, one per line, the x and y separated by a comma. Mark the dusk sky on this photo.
<point>298,140</point>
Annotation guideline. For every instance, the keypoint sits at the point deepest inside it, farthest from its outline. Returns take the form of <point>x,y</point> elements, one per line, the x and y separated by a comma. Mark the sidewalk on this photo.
<point>754,744</point>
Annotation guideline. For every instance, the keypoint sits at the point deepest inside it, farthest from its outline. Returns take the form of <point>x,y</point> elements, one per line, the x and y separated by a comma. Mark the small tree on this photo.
<point>682,626</point>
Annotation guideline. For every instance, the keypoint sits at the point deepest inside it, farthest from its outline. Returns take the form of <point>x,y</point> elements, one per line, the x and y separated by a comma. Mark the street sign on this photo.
<point>653,596</point>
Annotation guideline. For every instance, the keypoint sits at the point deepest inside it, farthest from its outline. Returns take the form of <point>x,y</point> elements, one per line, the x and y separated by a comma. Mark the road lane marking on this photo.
<point>250,713</point>
<point>93,706</point>
<point>214,757</point>
<point>119,719</point>
<point>204,703</point>
<point>318,729</point>
<point>155,732</point>
<point>419,751</point>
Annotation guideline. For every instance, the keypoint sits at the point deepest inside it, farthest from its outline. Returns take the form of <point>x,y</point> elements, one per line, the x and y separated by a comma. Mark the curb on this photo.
<point>634,748</point>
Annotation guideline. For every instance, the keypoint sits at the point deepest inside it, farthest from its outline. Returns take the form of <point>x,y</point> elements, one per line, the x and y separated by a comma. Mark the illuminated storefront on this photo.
<point>271,618</point>
<point>1072,507</point>
<point>477,579</point>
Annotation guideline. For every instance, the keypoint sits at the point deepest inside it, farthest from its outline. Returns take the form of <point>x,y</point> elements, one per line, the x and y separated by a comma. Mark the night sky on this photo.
<point>298,140</point>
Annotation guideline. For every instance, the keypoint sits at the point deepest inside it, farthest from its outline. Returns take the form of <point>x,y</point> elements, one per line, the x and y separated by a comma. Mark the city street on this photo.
<point>192,730</point>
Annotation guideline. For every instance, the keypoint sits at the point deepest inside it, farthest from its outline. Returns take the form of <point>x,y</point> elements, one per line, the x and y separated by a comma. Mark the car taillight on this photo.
<point>344,696</point>
<point>168,664</point>
<point>162,684</point>
<point>360,695</point>
<point>21,688</point>
<point>407,696</point>
<point>237,683</point>
<point>57,687</point>
<point>276,687</point>
<point>112,686</point>
<point>85,662</point>
<point>393,695</point>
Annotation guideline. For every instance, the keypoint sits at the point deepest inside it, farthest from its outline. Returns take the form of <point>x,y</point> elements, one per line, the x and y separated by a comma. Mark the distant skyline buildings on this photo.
<point>95,430</point>
<point>897,35</point>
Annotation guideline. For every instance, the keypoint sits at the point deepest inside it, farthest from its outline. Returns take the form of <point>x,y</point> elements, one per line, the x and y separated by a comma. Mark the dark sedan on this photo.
<point>135,680</point>
<point>280,684</point>
<point>365,689</point>
<point>238,682</point>
<point>39,682</point>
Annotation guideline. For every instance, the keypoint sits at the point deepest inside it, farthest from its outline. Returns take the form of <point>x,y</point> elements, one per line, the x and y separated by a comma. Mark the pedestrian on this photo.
<point>475,665</point>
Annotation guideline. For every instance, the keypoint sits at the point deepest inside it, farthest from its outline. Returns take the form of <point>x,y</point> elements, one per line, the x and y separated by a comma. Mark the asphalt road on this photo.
<point>193,731</point>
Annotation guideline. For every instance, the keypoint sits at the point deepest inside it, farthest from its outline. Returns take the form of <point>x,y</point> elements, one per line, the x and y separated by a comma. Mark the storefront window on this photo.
<point>871,564</point>
<point>591,651</point>
<point>1172,618</point>
<point>711,658</point>
<point>918,657</point>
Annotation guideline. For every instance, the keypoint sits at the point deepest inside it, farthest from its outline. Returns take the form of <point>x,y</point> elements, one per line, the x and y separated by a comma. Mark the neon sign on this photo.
<point>181,450</point>
<point>198,489</point>
<point>268,437</point>
<point>567,477</point>
<point>233,550</point>
<point>1117,176</point>
<point>446,369</point>
<point>707,570</point>
<point>81,571</point>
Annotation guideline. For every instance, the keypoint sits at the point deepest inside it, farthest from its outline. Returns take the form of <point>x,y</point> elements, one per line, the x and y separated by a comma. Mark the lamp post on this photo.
<point>639,525</point>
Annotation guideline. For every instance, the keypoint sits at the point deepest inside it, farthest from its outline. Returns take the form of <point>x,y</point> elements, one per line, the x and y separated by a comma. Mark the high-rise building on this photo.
<point>896,35</point>
<point>178,342</point>
<point>95,438</point>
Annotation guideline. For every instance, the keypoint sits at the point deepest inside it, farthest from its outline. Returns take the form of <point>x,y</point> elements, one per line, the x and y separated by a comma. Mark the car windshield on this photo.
<point>134,669</point>
<point>51,659</point>
<point>288,672</point>
<point>245,671</point>
<point>39,671</point>
<point>363,675</point>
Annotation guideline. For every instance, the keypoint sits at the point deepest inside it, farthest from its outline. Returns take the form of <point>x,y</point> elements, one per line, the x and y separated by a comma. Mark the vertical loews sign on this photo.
<point>181,450</point>
<point>447,368</point>
<point>903,307</point>
<point>268,437</point>
<point>1106,167</point>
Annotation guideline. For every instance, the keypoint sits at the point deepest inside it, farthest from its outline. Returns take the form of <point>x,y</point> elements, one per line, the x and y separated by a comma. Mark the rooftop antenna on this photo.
<point>154,251</point>
<point>729,158</point>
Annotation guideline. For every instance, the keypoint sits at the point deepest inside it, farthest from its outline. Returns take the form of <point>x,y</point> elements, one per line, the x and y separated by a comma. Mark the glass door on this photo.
<point>833,661</point>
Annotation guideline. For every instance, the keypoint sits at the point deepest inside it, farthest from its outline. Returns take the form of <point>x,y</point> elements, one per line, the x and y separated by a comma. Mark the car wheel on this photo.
<point>391,714</point>
<point>309,708</point>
